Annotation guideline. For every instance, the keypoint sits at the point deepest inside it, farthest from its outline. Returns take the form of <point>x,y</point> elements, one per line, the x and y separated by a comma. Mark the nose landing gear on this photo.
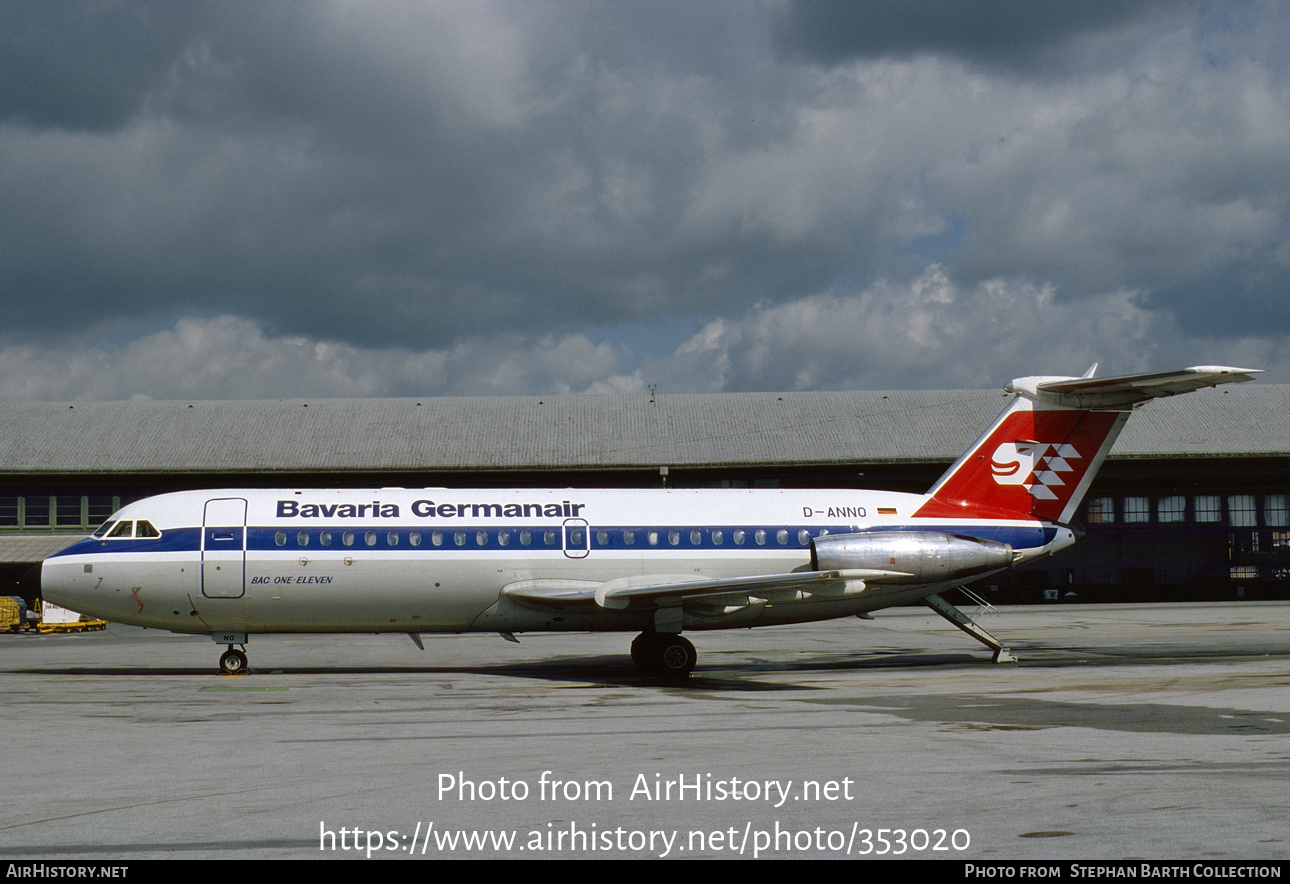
<point>233,661</point>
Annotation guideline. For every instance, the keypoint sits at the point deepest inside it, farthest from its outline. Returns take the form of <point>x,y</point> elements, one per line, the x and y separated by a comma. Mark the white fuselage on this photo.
<point>439,560</point>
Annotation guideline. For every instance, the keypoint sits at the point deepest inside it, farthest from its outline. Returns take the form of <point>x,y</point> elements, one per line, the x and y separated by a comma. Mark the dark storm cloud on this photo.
<point>993,33</point>
<point>454,192</point>
<point>82,64</point>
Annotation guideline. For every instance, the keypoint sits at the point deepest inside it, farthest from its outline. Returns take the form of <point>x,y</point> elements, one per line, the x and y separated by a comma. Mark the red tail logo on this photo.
<point>1031,464</point>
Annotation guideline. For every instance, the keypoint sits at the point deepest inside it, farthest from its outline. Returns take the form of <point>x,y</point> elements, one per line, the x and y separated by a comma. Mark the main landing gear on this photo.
<point>233,661</point>
<point>663,653</point>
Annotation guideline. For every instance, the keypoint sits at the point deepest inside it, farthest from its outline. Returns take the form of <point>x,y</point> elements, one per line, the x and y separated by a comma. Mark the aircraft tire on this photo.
<point>641,652</point>
<point>232,662</point>
<point>674,656</point>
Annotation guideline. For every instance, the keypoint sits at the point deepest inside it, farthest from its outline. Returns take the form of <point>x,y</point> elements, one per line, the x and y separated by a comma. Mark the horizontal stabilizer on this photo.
<point>1127,390</point>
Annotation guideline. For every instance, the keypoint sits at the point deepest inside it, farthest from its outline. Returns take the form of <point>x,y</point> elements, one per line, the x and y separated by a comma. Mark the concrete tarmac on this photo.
<point>1123,732</point>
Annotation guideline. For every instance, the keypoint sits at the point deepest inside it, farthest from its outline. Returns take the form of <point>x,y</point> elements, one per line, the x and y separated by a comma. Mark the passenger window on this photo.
<point>280,538</point>
<point>549,538</point>
<point>760,537</point>
<point>325,538</point>
<point>437,538</point>
<point>674,537</point>
<point>781,537</point>
<point>481,538</point>
<point>392,538</point>
<point>739,537</point>
<point>302,539</point>
<point>602,538</point>
<point>347,538</point>
<point>370,538</point>
<point>415,538</point>
<point>503,538</point>
<point>459,538</point>
<point>653,538</point>
<point>629,537</point>
<point>526,538</point>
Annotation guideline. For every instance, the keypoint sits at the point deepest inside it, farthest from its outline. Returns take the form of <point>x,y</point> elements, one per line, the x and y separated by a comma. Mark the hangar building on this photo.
<point>1194,502</point>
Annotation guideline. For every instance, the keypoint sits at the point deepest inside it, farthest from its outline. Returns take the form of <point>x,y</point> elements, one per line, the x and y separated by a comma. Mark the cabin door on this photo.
<point>224,548</point>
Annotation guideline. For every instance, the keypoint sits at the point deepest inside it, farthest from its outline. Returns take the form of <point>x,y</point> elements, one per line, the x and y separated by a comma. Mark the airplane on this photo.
<point>231,563</point>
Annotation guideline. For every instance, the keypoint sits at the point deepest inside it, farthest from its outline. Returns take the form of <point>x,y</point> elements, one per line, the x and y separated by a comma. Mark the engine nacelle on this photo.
<point>912,557</point>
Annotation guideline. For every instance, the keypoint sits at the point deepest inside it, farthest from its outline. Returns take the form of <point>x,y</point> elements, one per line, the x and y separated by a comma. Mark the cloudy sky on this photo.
<point>403,197</point>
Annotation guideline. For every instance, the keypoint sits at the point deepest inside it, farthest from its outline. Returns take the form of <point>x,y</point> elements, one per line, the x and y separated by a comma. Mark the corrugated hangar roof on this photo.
<point>510,433</point>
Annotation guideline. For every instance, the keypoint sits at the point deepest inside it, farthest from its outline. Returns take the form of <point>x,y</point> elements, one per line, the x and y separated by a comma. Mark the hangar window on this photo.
<point>9,516</point>
<point>67,511</point>
<point>280,538</point>
<point>1101,511</point>
<point>1137,509</point>
<point>1241,512</point>
<point>1171,509</point>
<point>1209,508</point>
<point>36,511</point>
<point>1281,540</point>
<point>1244,572</point>
<point>1275,513</point>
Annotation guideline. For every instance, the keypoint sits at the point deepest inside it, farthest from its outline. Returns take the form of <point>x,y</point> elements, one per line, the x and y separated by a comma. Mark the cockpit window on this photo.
<point>143,528</point>
<point>103,529</point>
<point>124,528</point>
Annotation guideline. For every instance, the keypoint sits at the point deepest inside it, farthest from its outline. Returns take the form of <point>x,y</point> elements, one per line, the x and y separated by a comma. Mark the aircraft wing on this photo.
<point>657,589</point>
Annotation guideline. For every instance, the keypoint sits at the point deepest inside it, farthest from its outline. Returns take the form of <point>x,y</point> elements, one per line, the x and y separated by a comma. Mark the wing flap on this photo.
<point>649,591</point>
<point>652,590</point>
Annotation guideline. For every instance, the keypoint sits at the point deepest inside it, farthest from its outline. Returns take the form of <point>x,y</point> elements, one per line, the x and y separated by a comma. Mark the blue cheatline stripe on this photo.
<point>601,538</point>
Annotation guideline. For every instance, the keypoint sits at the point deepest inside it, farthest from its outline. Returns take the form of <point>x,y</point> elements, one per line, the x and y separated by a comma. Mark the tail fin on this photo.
<point>1041,454</point>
